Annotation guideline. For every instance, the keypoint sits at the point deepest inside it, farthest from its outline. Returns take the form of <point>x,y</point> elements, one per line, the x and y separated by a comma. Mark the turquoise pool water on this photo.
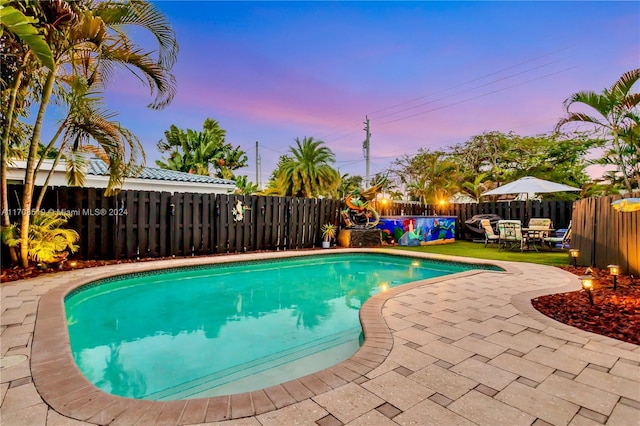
<point>224,329</point>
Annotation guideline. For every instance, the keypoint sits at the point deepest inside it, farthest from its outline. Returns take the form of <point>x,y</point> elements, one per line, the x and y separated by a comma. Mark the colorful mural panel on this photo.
<point>419,230</point>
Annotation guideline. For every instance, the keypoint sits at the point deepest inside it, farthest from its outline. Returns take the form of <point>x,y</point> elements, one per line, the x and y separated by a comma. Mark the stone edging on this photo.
<point>64,388</point>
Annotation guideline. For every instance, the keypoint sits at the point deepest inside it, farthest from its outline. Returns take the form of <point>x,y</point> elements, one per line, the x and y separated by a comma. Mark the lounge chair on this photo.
<point>562,241</point>
<point>510,232</point>
<point>489,235</point>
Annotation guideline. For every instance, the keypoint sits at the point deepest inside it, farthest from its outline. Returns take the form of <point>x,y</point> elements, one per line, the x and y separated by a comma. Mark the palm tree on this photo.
<point>614,108</point>
<point>24,50</point>
<point>22,27</point>
<point>48,239</point>
<point>348,184</point>
<point>477,187</point>
<point>201,152</point>
<point>86,39</point>
<point>308,173</point>
<point>419,189</point>
<point>437,180</point>
<point>88,128</point>
<point>630,153</point>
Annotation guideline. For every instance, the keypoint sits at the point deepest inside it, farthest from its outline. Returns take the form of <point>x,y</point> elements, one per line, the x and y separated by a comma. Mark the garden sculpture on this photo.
<point>359,212</point>
<point>238,211</point>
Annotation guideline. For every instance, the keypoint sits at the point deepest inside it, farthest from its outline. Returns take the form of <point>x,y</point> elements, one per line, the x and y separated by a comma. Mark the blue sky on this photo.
<point>428,74</point>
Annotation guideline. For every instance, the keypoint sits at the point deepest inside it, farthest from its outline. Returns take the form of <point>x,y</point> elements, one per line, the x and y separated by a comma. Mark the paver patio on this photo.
<point>458,350</point>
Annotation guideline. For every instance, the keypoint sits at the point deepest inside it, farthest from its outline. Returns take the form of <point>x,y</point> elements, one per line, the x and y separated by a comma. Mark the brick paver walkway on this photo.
<point>460,350</point>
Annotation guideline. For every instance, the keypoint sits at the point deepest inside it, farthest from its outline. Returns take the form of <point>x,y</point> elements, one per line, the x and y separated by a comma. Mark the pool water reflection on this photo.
<point>230,328</point>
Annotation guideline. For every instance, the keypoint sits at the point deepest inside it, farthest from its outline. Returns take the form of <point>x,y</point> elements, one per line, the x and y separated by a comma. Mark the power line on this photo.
<point>474,79</point>
<point>271,149</point>
<point>342,129</point>
<point>473,88</point>
<point>476,97</point>
<point>460,85</point>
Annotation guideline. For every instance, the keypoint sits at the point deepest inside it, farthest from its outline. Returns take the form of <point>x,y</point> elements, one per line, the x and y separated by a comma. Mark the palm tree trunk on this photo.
<point>29,178</point>
<point>621,168</point>
<point>4,156</point>
<point>51,143</point>
<point>55,163</point>
<point>45,185</point>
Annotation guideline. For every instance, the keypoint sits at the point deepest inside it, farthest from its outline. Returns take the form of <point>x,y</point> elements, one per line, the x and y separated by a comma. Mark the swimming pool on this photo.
<point>230,328</point>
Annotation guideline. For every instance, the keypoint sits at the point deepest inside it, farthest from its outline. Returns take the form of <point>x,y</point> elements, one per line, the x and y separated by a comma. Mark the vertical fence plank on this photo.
<point>205,225</point>
<point>165,224</point>
<point>261,227</point>
<point>142,227</point>
<point>196,223</point>
<point>177,201</point>
<point>280,230</point>
<point>152,225</point>
<point>222,223</point>
<point>91,240</point>
<point>130,223</point>
<point>238,227</point>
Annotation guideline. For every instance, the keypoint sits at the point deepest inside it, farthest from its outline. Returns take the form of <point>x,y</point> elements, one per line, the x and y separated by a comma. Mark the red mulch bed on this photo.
<point>614,313</point>
<point>16,273</point>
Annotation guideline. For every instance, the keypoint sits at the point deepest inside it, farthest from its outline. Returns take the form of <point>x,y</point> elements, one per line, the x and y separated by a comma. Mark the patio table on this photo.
<point>533,235</point>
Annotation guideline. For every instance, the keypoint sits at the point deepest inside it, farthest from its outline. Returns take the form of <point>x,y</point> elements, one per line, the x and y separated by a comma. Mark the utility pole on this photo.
<point>366,147</point>
<point>258,165</point>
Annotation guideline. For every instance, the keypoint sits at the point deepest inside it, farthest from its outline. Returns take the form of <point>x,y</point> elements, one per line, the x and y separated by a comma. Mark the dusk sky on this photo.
<point>427,74</point>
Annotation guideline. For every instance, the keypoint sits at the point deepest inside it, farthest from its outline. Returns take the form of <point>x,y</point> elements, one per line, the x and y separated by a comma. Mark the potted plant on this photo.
<point>328,233</point>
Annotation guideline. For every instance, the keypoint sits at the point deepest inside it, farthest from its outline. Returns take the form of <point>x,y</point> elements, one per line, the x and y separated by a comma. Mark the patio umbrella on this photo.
<point>530,185</point>
<point>627,205</point>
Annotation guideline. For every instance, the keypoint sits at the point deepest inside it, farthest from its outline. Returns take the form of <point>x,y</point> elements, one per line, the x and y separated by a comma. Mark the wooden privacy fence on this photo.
<point>606,236</point>
<point>159,224</point>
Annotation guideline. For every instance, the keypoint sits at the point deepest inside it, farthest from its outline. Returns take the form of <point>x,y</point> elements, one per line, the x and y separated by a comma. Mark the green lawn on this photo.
<point>478,250</point>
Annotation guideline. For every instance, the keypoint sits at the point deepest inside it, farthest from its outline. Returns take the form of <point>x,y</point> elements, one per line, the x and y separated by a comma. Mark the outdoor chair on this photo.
<point>539,228</point>
<point>510,233</point>
<point>489,235</point>
<point>540,224</point>
<point>561,241</point>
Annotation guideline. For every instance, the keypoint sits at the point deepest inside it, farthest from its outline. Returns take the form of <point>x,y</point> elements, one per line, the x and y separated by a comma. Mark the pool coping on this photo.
<point>63,387</point>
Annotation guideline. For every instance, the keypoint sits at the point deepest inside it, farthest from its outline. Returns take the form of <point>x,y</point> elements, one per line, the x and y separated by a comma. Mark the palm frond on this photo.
<point>76,169</point>
<point>146,15</point>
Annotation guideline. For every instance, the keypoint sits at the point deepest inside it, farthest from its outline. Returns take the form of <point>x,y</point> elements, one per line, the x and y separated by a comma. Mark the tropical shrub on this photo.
<point>48,241</point>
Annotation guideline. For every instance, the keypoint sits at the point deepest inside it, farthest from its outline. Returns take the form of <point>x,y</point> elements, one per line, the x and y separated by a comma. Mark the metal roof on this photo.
<point>99,168</point>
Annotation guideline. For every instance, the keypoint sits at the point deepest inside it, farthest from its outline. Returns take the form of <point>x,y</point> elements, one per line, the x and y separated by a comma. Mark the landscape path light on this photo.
<point>614,271</point>
<point>587,285</point>
<point>574,256</point>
